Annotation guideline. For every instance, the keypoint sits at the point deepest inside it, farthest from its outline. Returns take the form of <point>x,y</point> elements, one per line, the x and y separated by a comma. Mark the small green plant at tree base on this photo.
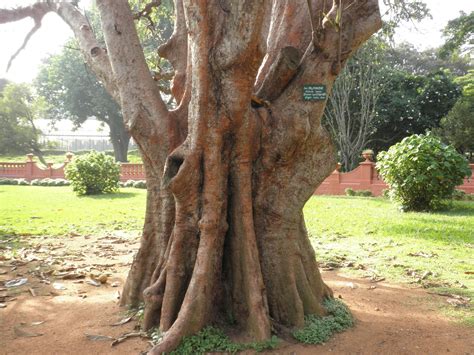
<point>211,339</point>
<point>318,330</point>
<point>93,174</point>
<point>422,171</point>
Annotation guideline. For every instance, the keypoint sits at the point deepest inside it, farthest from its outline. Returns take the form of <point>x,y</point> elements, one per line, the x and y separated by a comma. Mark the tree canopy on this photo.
<point>18,108</point>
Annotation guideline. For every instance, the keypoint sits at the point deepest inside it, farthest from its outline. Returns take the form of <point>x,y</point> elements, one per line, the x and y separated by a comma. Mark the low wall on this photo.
<point>30,171</point>
<point>364,177</point>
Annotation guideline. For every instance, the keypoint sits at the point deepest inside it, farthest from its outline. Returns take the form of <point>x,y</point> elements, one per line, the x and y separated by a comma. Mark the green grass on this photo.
<point>37,210</point>
<point>367,232</point>
<point>372,233</point>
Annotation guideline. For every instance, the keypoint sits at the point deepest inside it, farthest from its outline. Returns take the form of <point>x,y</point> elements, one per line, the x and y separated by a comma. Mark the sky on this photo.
<point>53,33</point>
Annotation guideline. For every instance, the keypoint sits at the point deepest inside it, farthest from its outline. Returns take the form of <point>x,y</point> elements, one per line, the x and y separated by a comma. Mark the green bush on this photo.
<point>140,184</point>
<point>422,171</point>
<point>93,173</point>
<point>363,193</point>
<point>349,192</point>
<point>6,181</point>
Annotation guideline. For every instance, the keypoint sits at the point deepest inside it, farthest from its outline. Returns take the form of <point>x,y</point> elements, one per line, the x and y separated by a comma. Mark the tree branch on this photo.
<point>139,95</point>
<point>25,41</point>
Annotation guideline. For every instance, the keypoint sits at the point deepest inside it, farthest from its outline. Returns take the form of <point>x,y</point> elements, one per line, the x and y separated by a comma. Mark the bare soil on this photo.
<point>58,306</point>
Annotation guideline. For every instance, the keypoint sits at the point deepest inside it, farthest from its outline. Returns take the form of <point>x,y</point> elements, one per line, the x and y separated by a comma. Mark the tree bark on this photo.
<point>224,234</point>
<point>120,138</point>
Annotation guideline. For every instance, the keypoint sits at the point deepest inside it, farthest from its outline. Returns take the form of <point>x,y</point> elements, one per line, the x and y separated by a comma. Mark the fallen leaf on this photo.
<point>93,283</point>
<point>16,282</point>
<point>469,272</point>
<point>58,286</point>
<point>128,335</point>
<point>377,279</point>
<point>25,334</point>
<point>102,278</point>
<point>94,337</point>
<point>423,254</point>
<point>70,276</point>
<point>426,274</point>
<point>123,321</point>
<point>458,301</point>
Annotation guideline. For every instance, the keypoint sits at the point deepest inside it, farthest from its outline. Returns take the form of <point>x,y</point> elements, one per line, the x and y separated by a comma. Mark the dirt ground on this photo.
<point>62,310</point>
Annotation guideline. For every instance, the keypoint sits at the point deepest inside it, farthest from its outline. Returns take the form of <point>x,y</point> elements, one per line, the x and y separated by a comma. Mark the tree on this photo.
<point>458,34</point>
<point>228,170</point>
<point>415,103</point>
<point>457,127</point>
<point>18,109</point>
<point>74,93</point>
<point>352,106</point>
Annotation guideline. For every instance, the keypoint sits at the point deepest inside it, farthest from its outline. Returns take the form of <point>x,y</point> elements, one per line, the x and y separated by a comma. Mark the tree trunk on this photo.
<point>120,139</point>
<point>228,173</point>
<point>225,236</point>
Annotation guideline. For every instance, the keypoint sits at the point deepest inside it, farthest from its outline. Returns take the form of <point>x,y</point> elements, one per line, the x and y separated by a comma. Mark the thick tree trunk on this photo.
<point>224,232</point>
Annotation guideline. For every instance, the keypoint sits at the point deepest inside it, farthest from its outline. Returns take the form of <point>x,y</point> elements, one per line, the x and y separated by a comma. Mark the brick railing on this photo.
<point>364,177</point>
<point>30,171</point>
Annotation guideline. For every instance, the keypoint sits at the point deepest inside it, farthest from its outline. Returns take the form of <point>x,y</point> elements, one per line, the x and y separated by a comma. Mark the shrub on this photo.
<point>140,184</point>
<point>350,192</point>
<point>129,183</point>
<point>458,195</point>
<point>363,193</point>
<point>93,173</point>
<point>22,182</point>
<point>422,171</point>
<point>6,181</point>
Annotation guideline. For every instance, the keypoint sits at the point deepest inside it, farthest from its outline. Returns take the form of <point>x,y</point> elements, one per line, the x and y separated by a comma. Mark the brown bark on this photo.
<point>224,232</point>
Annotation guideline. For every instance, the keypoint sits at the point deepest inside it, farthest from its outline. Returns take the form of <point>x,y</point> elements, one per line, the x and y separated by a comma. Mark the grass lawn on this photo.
<point>366,236</point>
<point>435,250</point>
<point>42,210</point>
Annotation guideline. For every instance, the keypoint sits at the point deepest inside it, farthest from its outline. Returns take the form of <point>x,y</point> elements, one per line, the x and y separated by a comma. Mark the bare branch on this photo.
<point>36,12</point>
<point>25,41</point>
<point>146,12</point>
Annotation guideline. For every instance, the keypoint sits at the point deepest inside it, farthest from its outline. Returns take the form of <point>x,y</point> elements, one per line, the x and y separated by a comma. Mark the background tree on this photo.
<point>74,93</point>
<point>412,104</point>
<point>352,107</point>
<point>457,127</point>
<point>231,167</point>
<point>459,35</point>
<point>18,108</point>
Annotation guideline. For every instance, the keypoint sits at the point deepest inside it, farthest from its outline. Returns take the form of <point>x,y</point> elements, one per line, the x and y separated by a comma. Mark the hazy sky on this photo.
<point>54,32</point>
